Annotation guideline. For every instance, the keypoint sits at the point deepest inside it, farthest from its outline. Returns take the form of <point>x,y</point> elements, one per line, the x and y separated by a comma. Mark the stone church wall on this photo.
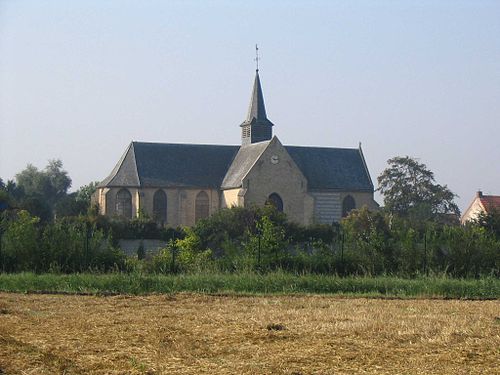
<point>230,198</point>
<point>283,178</point>
<point>180,203</point>
<point>106,198</point>
<point>328,204</point>
<point>361,199</point>
<point>327,207</point>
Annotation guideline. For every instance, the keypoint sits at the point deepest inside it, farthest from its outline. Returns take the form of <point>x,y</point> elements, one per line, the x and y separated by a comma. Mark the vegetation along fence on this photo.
<point>256,240</point>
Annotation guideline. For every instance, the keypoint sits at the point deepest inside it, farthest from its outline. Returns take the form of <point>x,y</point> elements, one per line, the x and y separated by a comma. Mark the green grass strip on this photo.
<point>253,283</point>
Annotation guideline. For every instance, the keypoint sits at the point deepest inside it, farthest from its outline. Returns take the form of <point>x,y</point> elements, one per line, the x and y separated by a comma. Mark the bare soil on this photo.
<point>202,334</point>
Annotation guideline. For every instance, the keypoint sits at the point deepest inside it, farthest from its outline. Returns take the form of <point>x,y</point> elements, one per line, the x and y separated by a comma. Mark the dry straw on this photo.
<point>201,334</point>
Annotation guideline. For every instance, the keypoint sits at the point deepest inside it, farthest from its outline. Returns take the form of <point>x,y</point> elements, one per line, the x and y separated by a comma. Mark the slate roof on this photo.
<point>257,109</point>
<point>218,166</point>
<point>245,158</point>
<point>125,171</point>
<point>172,165</point>
<point>332,168</point>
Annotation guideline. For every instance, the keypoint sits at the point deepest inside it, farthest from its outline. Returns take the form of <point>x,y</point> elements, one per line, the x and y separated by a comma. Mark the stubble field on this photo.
<point>203,334</point>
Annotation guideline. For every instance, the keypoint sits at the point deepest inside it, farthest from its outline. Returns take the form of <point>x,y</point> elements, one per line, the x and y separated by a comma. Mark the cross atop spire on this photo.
<point>257,57</point>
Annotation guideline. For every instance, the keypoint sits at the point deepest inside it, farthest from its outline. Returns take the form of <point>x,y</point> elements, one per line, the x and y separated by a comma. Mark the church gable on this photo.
<point>275,177</point>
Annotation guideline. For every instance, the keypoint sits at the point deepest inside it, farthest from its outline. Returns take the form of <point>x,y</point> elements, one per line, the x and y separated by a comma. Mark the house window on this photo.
<point>160,206</point>
<point>123,205</point>
<point>276,201</point>
<point>201,206</point>
<point>348,204</point>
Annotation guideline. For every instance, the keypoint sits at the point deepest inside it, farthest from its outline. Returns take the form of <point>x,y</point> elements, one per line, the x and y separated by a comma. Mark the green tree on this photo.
<point>367,234</point>
<point>84,194</point>
<point>70,206</point>
<point>490,221</point>
<point>409,189</point>
<point>42,189</point>
<point>20,248</point>
<point>268,246</point>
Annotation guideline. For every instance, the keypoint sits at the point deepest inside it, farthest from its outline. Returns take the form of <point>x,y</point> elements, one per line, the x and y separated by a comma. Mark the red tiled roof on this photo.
<point>490,202</point>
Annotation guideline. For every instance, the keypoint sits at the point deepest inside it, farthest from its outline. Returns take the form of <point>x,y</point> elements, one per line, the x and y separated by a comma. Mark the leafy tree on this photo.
<point>84,194</point>
<point>490,221</point>
<point>409,189</point>
<point>41,190</point>
<point>51,183</point>
<point>5,198</point>
<point>37,206</point>
<point>10,194</point>
<point>59,180</point>
<point>70,206</point>
<point>20,244</point>
<point>77,203</point>
<point>269,245</point>
<point>368,233</point>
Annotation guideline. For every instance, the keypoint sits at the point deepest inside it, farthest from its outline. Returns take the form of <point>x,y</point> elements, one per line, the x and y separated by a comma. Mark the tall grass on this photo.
<point>253,283</point>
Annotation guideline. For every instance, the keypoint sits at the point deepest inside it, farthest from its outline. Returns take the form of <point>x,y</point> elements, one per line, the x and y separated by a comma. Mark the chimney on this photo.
<point>479,194</point>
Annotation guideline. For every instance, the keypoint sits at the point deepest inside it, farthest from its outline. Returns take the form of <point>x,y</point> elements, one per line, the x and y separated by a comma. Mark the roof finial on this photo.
<point>257,57</point>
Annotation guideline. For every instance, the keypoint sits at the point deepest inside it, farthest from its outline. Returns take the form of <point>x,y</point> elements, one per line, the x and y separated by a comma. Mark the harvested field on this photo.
<point>203,334</point>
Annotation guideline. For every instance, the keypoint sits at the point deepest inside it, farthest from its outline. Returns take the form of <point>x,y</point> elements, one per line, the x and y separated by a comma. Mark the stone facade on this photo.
<point>180,203</point>
<point>275,172</point>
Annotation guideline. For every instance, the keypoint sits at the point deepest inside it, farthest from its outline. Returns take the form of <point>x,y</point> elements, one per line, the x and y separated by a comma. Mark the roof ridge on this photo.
<point>183,144</point>
<point>324,147</point>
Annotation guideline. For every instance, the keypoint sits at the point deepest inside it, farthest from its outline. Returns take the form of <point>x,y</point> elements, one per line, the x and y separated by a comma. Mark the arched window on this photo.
<point>160,206</point>
<point>201,206</point>
<point>348,204</point>
<point>123,205</point>
<point>276,201</point>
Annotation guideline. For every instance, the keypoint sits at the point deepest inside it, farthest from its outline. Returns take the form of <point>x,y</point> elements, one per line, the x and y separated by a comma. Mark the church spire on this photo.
<point>256,127</point>
<point>257,108</point>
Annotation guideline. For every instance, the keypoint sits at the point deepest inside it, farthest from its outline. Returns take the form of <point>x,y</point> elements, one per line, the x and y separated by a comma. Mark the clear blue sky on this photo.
<point>80,79</point>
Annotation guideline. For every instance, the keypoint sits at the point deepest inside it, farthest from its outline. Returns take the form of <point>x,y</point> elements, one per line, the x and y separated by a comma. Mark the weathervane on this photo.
<point>257,57</point>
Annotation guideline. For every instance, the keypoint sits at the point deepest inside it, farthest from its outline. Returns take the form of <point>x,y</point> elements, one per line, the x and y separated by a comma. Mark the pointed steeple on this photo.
<point>256,127</point>
<point>257,108</point>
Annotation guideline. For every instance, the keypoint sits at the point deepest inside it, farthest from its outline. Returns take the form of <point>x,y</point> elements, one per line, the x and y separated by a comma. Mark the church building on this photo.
<point>179,184</point>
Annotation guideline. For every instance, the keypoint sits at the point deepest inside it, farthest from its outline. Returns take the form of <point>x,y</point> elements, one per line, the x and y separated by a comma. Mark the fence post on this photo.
<point>174,251</point>
<point>426,271</point>
<point>88,235</point>
<point>342,249</point>
<point>1,254</point>
<point>342,240</point>
<point>258,250</point>
<point>259,235</point>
